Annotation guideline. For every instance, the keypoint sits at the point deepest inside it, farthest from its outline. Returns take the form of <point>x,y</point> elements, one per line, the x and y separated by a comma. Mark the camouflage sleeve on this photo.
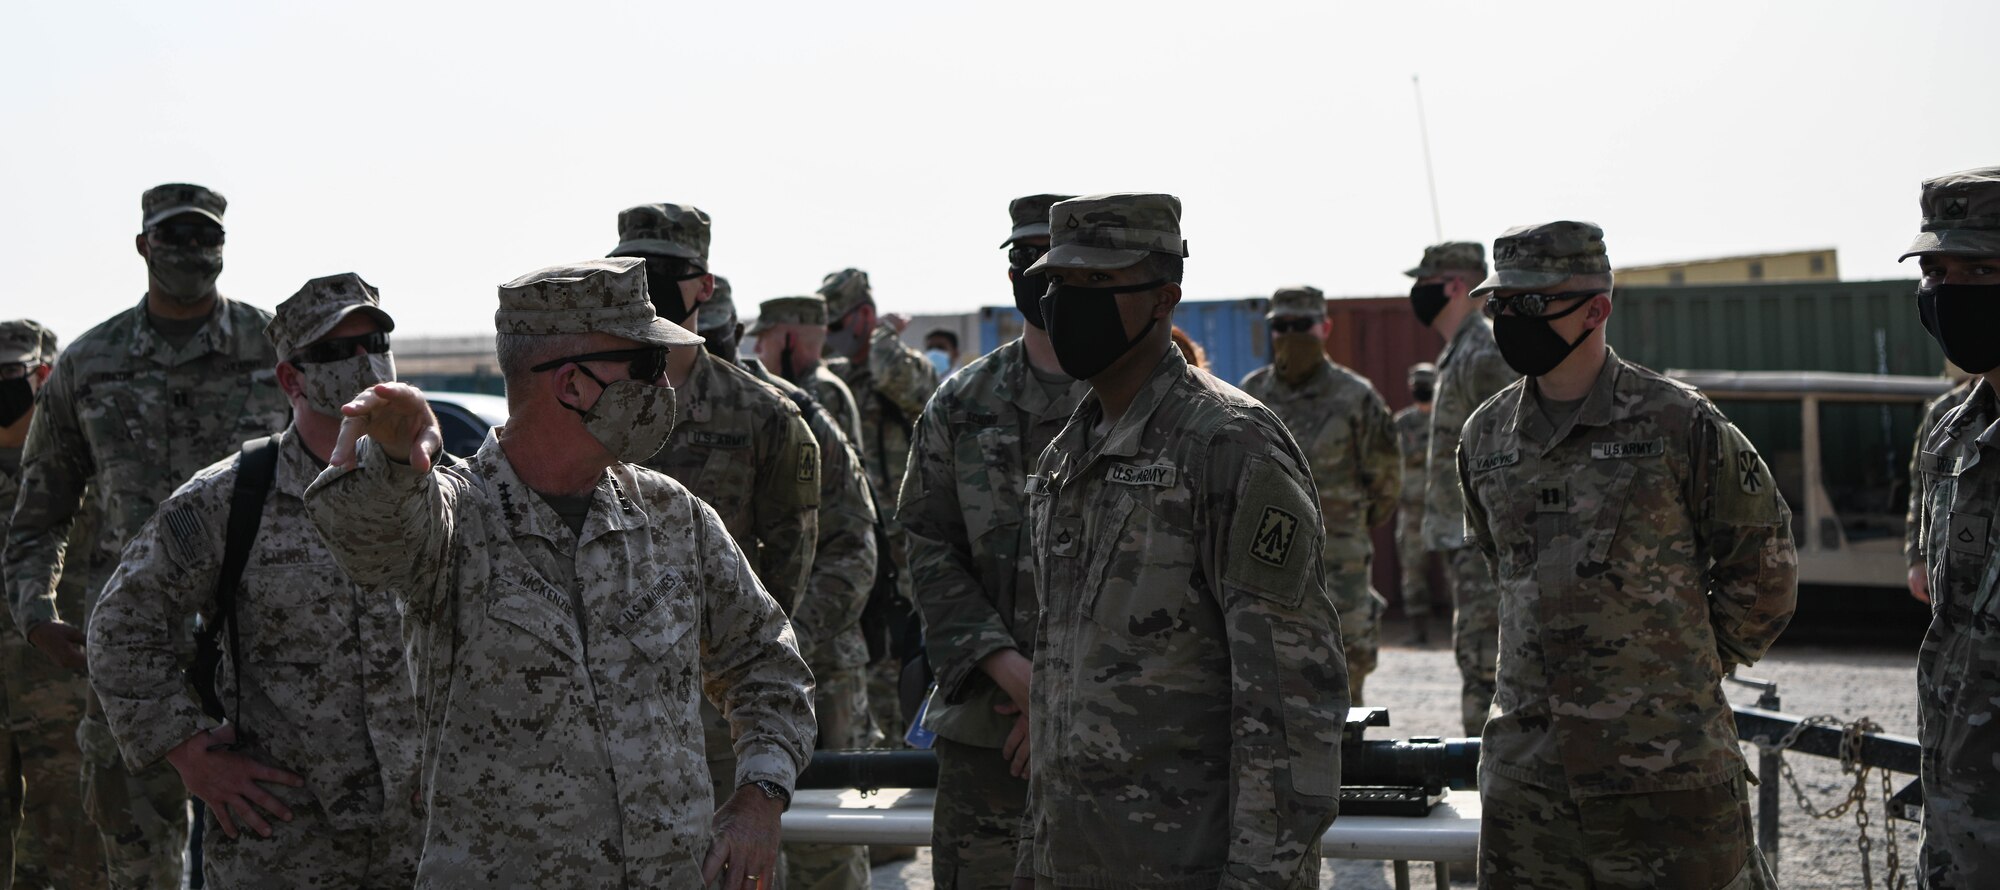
<point>961,624</point>
<point>1444,514</point>
<point>1288,674</point>
<point>901,373</point>
<point>1913,521</point>
<point>750,664</point>
<point>1746,530</point>
<point>785,511</point>
<point>1477,530</point>
<point>55,468</point>
<point>844,562</point>
<point>388,526</point>
<point>1380,457</point>
<point>168,572</point>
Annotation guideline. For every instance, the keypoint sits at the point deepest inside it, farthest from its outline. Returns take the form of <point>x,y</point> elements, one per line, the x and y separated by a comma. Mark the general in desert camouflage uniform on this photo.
<point>324,691</point>
<point>1349,438</point>
<point>138,405</point>
<point>1642,551</point>
<point>1413,439</point>
<point>1189,690</point>
<point>972,567</point>
<point>1958,671</point>
<point>1469,371</point>
<point>45,840</point>
<point>560,665</point>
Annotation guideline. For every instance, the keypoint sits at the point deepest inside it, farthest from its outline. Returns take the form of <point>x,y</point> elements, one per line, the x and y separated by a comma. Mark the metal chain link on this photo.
<point>1856,798</point>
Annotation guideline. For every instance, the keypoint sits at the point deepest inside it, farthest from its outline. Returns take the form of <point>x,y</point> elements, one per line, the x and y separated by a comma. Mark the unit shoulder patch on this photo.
<point>1275,531</point>
<point>1274,535</point>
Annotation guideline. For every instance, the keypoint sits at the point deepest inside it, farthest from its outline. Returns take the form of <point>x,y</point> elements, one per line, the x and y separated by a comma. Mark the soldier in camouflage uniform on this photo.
<point>972,567</point>
<point>566,609</point>
<point>1934,411</point>
<point>322,726</point>
<point>1958,671</point>
<point>789,332</point>
<point>45,840</point>
<point>1413,438</point>
<point>1469,371</point>
<point>1349,438</point>
<point>1642,551</point>
<point>1189,690</point>
<point>136,406</point>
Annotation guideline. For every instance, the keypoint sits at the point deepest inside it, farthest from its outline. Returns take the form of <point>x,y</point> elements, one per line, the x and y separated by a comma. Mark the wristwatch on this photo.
<point>772,790</point>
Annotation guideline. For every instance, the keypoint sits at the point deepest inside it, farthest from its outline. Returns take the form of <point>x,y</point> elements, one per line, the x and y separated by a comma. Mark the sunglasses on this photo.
<point>15,370</point>
<point>1021,256</point>
<point>186,234</point>
<point>1531,305</point>
<point>645,363</point>
<point>341,348</point>
<point>1291,325</point>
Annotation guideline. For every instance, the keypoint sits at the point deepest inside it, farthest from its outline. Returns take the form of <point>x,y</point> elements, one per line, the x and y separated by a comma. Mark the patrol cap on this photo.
<point>607,295</point>
<point>845,290</point>
<point>718,315</point>
<point>1297,301</point>
<point>1031,216</point>
<point>320,306</point>
<point>1111,231</point>
<point>163,202</point>
<point>1451,256</point>
<point>22,340</point>
<point>1546,254</point>
<point>663,229</point>
<point>790,310</point>
<point>1961,215</point>
<point>1423,373</point>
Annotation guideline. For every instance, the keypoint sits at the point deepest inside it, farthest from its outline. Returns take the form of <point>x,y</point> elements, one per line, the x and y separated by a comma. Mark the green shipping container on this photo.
<point>1862,327</point>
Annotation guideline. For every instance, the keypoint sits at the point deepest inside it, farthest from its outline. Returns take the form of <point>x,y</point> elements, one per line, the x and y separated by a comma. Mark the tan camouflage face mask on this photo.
<point>1294,356</point>
<point>329,385</point>
<point>632,419</point>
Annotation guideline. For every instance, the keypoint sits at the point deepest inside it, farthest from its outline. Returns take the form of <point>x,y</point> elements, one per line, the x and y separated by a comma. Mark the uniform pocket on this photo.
<point>542,614</point>
<point>1140,573</point>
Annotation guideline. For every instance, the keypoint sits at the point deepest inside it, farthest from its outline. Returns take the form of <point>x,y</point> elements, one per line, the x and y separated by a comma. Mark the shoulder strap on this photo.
<point>255,472</point>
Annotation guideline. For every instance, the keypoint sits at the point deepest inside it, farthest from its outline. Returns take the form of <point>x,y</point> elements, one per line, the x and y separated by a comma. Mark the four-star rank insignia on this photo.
<point>1275,532</point>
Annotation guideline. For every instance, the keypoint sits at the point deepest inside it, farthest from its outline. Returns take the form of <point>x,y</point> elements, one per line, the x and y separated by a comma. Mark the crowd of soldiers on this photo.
<point>599,651</point>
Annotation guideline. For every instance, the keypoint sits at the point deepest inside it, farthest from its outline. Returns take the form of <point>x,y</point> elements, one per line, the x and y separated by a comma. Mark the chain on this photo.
<point>1856,798</point>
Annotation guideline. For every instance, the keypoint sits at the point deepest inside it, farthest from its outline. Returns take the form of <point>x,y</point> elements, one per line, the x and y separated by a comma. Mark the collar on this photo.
<point>612,508</point>
<point>215,336</point>
<point>1123,439</point>
<point>1316,379</point>
<point>1601,406</point>
<point>1020,388</point>
<point>692,394</point>
<point>1983,403</point>
<point>297,467</point>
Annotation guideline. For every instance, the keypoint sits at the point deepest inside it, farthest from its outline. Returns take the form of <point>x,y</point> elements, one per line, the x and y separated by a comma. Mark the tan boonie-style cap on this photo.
<point>320,306</point>
<point>163,202</point>
<point>1423,372</point>
<point>663,229</point>
<point>607,295</point>
<point>1031,216</point>
<point>809,309</point>
<point>1961,215</point>
<point>1111,231</point>
<point>1451,256</point>
<point>844,290</point>
<point>22,340</point>
<point>1297,301</point>
<point>719,313</point>
<point>1544,255</point>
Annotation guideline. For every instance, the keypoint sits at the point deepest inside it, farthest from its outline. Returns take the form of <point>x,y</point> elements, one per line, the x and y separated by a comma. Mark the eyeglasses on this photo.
<point>645,363</point>
<point>674,268</point>
<point>1530,305</point>
<point>341,348</point>
<point>1021,256</point>
<point>186,234</point>
<point>1292,325</point>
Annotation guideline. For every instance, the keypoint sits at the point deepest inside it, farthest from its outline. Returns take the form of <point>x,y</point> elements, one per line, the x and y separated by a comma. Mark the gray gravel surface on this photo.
<point>1420,687</point>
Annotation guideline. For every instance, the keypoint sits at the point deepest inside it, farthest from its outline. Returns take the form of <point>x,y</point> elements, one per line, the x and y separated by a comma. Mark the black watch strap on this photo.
<point>773,790</point>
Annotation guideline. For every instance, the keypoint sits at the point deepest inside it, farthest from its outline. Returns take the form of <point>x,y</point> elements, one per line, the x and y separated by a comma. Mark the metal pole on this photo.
<point>1402,874</point>
<point>1430,179</point>
<point>1768,778</point>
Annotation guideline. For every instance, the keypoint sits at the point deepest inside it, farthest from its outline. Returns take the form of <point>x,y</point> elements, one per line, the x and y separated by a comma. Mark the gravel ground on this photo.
<point>1420,688</point>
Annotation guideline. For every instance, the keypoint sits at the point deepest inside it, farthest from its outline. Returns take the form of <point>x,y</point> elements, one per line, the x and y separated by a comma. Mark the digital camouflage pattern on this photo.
<point>1642,551</point>
<point>844,291</point>
<point>558,675</point>
<point>1545,255</point>
<point>319,307</point>
<point>607,295</point>
<point>1535,838</point>
<point>1413,440</point>
<point>1297,301</point>
<point>1958,669</point>
<point>1934,411</point>
<point>163,202</point>
<point>1349,438</point>
<point>128,417</point>
<point>1451,256</point>
<point>677,230</point>
<point>1030,216</point>
<point>22,340</point>
<point>972,570</point>
<point>325,689</point>
<point>790,310</point>
<point>1961,214</point>
<point>1111,231</point>
<point>1189,692</point>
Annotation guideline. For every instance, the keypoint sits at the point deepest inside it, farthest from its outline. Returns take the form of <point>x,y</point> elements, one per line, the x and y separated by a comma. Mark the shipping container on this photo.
<point>1860,327</point>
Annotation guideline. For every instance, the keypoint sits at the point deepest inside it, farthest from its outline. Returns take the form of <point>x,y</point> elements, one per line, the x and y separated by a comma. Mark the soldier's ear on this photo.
<point>290,380</point>
<point>139,244</point>
<point>1170,296</point>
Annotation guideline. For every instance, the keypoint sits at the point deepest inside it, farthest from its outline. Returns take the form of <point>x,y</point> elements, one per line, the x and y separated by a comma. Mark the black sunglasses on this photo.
<point>1291,325</point>
<point>645,363</point>
<point>186,234</point>
<point>1021,256</point>
<point>341,348</point>
<point>1531,304</point>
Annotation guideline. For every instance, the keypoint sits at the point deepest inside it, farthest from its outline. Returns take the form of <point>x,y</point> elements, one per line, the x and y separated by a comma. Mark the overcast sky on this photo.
<point>439,151</point>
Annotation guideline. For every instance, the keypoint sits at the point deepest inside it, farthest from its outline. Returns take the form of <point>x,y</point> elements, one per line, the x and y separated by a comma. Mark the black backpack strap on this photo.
<point>256,470</point>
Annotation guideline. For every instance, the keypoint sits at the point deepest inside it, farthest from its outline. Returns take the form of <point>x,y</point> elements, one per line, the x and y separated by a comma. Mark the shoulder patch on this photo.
<point>809,463</point>
<point>1275,531</point>
<point>1615,450</point>
<point>1742,489</point>
<point>185,531</point>
<point>1273,535</point>
<point>1161,475</point>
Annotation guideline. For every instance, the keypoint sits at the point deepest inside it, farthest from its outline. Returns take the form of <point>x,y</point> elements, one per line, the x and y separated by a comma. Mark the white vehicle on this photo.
<point>464,418</point>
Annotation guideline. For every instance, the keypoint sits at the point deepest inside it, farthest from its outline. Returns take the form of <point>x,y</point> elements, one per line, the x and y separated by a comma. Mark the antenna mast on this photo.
<point>1424,133</point>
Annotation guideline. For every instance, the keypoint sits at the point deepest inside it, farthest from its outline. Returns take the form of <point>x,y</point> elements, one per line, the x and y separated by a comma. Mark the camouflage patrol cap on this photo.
<point>1961,215</point>
<point>1451,256</point>
<point>320,306</point>
<point>845,290</point>
<point>718,315</point>
<point>22,340</point>
<point>790,310</point>
<point>1031,216</point>
<point>1111,231</point>
<point>1423,374</point>
<point>663,229</point>
<point>607,295</point>
<point>164,202</point>
<point>1297,301</point>
<point>1545,255</point>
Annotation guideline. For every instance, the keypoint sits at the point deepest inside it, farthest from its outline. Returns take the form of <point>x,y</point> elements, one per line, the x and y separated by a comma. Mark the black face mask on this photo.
<point>663,283</point>
<point>16,397</point>
<point>1965,321</point>
<point>1085,328</point>
<point>1028,293</point>
<point>1530,346</point>
<point>1421,393</point>
<point>1427,301</point>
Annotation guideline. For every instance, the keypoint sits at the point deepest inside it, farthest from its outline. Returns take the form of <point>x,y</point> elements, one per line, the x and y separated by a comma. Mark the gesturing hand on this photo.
<point>228,781</point>
<point>398,418</point>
